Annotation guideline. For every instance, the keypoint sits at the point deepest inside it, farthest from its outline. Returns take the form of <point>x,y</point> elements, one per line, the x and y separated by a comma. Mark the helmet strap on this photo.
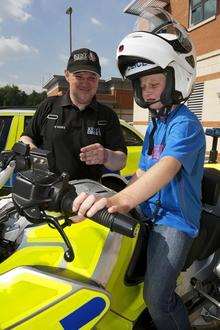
<point>151,137</point>
<point>170,96</point>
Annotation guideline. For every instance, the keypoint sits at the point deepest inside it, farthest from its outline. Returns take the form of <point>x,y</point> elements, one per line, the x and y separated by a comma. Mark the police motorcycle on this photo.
<point>58,275</point>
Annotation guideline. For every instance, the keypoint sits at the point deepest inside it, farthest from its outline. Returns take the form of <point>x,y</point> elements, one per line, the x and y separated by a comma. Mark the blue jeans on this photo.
<point>166,255</point>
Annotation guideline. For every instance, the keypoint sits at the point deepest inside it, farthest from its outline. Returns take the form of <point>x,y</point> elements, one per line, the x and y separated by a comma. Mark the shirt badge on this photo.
<point>94,131</point>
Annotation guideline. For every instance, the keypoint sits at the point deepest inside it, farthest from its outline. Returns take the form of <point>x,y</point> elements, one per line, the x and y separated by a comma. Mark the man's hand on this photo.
<point>27,140</point>
<point>94,154</point>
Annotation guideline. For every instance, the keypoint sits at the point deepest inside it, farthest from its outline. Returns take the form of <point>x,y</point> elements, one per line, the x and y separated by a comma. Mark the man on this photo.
<point>84,136</point>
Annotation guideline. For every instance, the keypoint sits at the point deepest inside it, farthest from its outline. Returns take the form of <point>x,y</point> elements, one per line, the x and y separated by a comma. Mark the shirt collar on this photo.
<point>170,115</point>
<point>65,101</point>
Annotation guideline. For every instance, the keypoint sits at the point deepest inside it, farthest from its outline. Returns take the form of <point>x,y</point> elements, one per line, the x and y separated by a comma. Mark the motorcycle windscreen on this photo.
<point>32,299</point>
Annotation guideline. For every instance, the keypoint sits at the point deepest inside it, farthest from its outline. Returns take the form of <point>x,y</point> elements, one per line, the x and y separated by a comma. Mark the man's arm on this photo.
<point>116,160</point>
<point>32,132</point>
<point>112,154</point>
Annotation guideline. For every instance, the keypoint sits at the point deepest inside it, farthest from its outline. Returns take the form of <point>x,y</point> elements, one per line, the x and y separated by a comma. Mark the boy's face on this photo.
<point>152,87</point>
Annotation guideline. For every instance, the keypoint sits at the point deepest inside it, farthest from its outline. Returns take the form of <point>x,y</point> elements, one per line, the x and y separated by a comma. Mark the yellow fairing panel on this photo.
<point>87,239</point>
<point>30,299</point>
<point>112,321</point>
<point>43,245</point>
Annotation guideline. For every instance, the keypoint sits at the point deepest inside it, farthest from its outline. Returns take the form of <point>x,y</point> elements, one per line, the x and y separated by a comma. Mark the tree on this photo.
<point>13,96</point>
<point>35,98</point>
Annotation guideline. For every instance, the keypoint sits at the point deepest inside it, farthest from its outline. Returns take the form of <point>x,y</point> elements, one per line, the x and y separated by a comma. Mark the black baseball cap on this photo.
<point>84,59</point>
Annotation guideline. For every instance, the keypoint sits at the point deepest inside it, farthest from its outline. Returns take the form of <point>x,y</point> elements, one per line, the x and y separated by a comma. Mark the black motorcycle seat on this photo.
<point>211,187</point>
<point>208,240</point>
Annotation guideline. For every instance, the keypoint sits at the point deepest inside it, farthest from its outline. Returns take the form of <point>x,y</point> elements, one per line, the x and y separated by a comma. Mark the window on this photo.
<point>131,139</point>
<point>5,123</point>
<point>27,120</point>
<point>202,10</point>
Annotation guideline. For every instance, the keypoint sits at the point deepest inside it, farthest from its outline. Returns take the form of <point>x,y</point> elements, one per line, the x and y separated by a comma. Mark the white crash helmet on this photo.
<point>158,45</point>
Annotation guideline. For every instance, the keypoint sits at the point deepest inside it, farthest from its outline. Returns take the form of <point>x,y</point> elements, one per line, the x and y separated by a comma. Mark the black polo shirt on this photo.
<point>59,126</point>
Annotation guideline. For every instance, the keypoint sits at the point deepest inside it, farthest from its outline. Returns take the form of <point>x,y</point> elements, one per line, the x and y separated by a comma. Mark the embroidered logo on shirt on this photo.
<point>94,131</point>
<point>157,151</point>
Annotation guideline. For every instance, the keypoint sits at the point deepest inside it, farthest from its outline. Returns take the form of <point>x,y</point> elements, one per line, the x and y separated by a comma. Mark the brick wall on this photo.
<point>207,36</point>
<point>124,98</point>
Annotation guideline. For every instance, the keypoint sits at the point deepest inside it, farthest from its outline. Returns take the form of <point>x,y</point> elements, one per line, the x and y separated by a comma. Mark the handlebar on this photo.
<point>34,192</point>
<point>117,222</point>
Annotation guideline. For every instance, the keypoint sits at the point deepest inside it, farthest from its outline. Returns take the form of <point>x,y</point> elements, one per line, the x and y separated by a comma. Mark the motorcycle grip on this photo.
<point>117,222</point>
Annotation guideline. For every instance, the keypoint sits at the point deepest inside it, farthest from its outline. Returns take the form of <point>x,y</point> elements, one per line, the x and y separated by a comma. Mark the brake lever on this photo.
<point>35,215</point>
<point>67,222</point>
<point>68,254</point>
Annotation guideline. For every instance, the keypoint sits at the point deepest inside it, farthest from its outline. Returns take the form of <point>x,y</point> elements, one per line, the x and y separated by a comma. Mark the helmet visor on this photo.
<point>159,22</point>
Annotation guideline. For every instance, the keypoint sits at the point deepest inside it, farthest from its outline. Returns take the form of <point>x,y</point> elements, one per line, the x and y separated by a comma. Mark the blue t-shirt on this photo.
<point>181,136</point>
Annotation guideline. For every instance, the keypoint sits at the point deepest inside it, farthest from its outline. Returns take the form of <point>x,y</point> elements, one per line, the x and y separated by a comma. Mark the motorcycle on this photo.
<point>56,274</point>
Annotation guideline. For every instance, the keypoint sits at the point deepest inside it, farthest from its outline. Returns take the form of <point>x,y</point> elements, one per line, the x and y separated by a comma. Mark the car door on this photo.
<point>8,129</point>
<point>24,119</point>
<point>134,141</point>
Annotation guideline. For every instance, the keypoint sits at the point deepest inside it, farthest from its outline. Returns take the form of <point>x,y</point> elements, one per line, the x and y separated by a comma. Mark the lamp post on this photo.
<point>69,12</point>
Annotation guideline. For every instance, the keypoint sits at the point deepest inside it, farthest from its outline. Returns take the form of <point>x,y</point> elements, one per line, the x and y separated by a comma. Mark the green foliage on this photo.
<point>13,96</point>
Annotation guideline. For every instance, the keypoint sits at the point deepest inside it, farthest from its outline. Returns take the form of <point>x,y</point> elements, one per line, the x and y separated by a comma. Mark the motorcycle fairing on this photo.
<point>42,245</point>
<point>96,248</point>
<point>33,299</point>
<point>100,255</point>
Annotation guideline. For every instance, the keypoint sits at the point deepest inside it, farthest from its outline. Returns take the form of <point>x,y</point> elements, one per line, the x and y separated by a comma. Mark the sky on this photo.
<point>34,37</point>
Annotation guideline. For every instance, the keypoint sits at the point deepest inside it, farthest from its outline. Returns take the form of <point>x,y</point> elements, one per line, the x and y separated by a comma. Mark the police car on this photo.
<point>14,120</point>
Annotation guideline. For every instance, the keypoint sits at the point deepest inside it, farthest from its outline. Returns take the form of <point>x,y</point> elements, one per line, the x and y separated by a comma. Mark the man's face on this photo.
<point>152,87</point>
<point>83,86</point>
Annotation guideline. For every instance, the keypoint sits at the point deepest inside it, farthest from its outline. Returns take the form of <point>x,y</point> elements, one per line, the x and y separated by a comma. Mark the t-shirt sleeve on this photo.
<point>114,139</point>
<point>184,141</point>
